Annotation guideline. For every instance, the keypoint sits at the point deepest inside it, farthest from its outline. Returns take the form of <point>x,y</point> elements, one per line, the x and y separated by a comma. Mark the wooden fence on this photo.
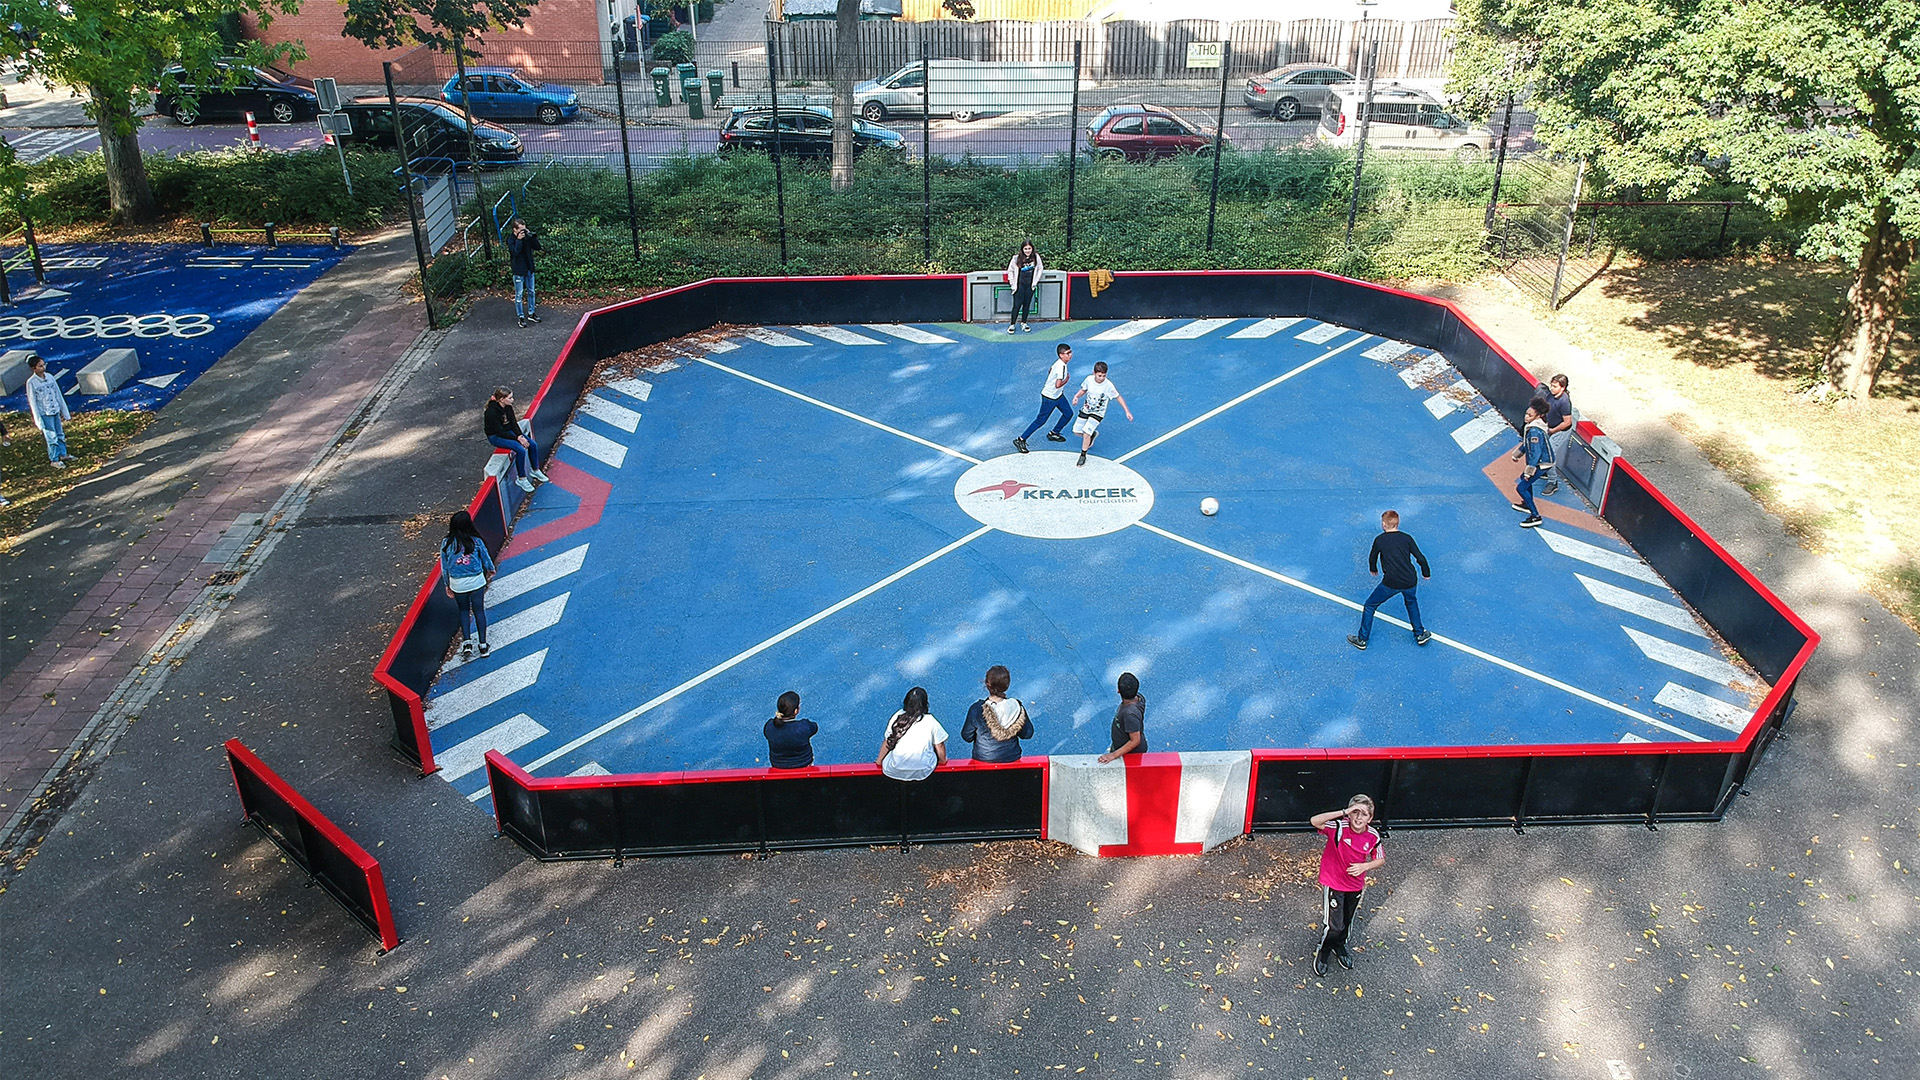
<point>1124,50</point>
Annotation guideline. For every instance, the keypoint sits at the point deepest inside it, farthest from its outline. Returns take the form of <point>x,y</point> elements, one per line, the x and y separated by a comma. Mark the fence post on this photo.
<point>271,244</point>
<point>406,180</point>
<point>779,180</point>
<point>1219,140</point>
<point>1566,237</point>
<point>1360,150</point>
<point>1500,163</point>
<point>206,233</point>
<point>626,151</point>
<point>6,290</point>
<point>473,148</point>
<point>1073,142</point>
<point>1726,215</point>
<point>926,150</point>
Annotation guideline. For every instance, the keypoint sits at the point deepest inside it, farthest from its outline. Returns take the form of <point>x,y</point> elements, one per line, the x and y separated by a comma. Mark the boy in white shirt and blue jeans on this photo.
<point>1099,392</point>
<point>1053,398</point>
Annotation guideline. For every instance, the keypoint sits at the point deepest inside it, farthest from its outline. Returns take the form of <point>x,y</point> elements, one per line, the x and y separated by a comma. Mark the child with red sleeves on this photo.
<point>1353,848</point>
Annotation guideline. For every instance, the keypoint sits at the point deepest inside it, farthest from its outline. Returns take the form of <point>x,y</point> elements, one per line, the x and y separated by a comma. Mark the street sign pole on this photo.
<point>328,91</point>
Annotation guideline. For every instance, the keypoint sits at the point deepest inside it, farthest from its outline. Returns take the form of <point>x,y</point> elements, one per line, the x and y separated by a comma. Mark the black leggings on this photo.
<point>1022,303</point>
<point>1341,907</point>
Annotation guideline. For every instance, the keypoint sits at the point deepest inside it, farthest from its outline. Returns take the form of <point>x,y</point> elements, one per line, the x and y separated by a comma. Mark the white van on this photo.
<point>1403,119</point>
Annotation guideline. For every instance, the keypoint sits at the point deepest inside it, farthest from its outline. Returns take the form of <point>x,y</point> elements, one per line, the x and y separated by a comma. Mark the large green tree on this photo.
<point>439,23</point>
<point>847,63</point>
<point>1812,107</point>
<point>113,51</point>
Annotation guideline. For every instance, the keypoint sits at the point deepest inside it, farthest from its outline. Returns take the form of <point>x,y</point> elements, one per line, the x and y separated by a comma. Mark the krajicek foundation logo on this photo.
<point>1045,495</point>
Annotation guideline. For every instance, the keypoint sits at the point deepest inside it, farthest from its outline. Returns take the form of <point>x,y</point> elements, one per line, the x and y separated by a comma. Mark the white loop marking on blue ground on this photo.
<point>929,444</point>
<point>1646,607</point>
<point>634,714</point>
<point>910,333</point>
<point>1441,638</point>
<point>1249,395</point>
<point>527,578</point>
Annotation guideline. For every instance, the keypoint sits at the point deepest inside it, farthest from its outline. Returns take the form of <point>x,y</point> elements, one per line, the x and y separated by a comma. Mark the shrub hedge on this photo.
<point>236,186</point>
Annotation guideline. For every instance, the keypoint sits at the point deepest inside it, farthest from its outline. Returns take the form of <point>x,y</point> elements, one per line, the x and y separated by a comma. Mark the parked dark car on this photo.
<point>1286,92</point>
<point>497,93</point>
<point>1145,133</point>
<point>434,130</point>
<point>268,93</point>
<point>805,131</point>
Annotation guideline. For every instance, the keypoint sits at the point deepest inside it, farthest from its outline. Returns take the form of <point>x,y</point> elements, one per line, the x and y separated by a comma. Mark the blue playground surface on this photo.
<point>840,511</point>
<point>181,306</point>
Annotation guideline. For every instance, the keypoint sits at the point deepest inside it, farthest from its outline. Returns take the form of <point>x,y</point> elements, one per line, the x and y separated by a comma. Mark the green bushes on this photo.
<point>229,186</point>
<point>673,48</point>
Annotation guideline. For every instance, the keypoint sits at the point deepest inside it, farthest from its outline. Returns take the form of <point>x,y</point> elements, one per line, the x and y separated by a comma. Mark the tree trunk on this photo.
<point>846,61</point>
<point>1873,311</point>
<point>129,195</point>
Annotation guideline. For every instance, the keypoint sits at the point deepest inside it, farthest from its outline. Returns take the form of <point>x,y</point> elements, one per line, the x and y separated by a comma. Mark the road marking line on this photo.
<point>843,336</point>
<point>1646,607</point>
<point>591,768</point>
<point>594,445</point>
<point>1426,370</point>
<point>1256,391</point>
<point>633,388</point>
<point>507,736</point>
<point>773,337</point>
<point>1320,333</point>
<point>606,411</point>
<point>1721,714</point>
<point>1441,638</point>
<point>1130,329</point>
<point>910,333</point>
<point>527,578</point>
<point>1630,737</point>
<point>722,345</point>
<point>1691,661</point>
<point>837,409</point>
<point>1196,328</point>
<point>1265,328</point>
<point>484,691</point>
<point>1453,397</point>
<point>504,631</point>
<point>1388,350</point>
<point>1626,565</point>
<point>1474,434</point>
<point>635,713</point>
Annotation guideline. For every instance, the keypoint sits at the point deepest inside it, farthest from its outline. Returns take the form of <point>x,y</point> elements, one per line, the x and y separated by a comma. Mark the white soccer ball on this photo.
<point>1209,506</point>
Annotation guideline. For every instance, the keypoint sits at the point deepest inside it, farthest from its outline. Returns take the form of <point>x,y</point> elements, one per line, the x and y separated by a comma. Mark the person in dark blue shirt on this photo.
<point>789,738</point>
<point>1392,557</point>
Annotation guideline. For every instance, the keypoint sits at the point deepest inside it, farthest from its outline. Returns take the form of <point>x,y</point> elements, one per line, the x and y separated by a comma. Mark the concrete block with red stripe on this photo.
<point>1148,804</point>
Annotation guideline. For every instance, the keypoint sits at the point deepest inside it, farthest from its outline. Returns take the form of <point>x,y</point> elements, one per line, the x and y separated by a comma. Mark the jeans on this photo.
<point>56,433</point>
<point>1524,487</point>
<point>473,613</point>
<point>1381,594</point>
<point>1047,405</point>
<point>524,457</point>
<point>1022,303</point>
<point>523,295</point>
<point>1558,442</point>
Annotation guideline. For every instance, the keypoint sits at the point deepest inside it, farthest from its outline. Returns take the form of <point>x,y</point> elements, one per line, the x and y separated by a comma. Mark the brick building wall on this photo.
<point>561,41</point>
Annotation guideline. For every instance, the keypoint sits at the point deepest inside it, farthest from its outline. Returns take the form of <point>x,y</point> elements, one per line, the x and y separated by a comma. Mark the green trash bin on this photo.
<point>690,90</point>
<point>662,94</point>
<point>716,83</point>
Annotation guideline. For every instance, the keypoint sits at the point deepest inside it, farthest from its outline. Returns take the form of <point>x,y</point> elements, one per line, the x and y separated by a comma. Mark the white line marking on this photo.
<point>1441,638</point>
<point>1720,714</point>
<point>910,333</point>
<point>1256,391</point>
<point>844,337</point>
<point>594,445</point>
<point>1474,434</point>
<point>1627,565</point>
<point>723,345</point>
<point>1130,329</point>
<point>605,410</point>
<point>1630,737</point>
<point>527,578</point>
<point>1708,667</point>
<point>773,337</point>
<point>1265,328</point>
<point>635,713</point>
<point>1388,350</point>
<point>837,409</point>
<point>1453,397</point>
<point>1646,607</point>
<point>507,736</point>
<point>1430,368</point>
<point>484,691</point>
<point>1320,333</point>
<point>591,768</point>
<point>633,388</point>
<point>504,631</point>
<point>1196,328</point>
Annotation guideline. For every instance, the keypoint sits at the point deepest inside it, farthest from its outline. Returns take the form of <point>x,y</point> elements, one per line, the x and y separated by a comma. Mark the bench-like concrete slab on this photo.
<point>13,369</point>
<point>109,372</point>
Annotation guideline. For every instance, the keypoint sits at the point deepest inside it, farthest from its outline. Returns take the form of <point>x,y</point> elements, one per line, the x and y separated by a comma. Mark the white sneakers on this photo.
<point>525,484</point>
<point>540,476</point>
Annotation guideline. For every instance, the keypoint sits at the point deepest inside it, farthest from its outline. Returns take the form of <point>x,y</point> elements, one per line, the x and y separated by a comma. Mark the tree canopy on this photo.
<point>1813,108</point>
<point>439,23</point>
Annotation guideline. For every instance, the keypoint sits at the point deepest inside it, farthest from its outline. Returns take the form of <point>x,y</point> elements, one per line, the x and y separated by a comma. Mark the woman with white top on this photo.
<point>48,406</point>
<point>916,744</point>
<point>1023,273</point>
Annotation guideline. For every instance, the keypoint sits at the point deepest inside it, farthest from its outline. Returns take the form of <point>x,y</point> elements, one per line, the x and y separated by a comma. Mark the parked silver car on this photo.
<point>904,92</point>
<point>1286,92</point>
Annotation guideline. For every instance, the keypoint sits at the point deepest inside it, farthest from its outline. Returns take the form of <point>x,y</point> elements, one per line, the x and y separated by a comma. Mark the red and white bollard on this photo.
<point>253,132</point>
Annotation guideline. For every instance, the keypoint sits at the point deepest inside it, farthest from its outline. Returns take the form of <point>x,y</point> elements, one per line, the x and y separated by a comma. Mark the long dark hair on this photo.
<point>911,710</point>
<point>460,531</point>
<point>1027,259</point>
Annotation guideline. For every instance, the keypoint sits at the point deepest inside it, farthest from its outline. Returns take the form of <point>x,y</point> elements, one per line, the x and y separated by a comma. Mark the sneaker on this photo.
<point>485,648</point>
<point>1532,522</point>
<point>1020,445</point>
<point>531,317</point>
<point>1083,458</point>
<point>1357,642</point>
<point>4,502</point>
<point>1025,329</point>
<point>1320,964</point>
<point>523,322</point>
<point>1519,507</point>
<point>1011,328</point>
<point>1550,488</point>
<point>525,484</point>
<point>1054,436</point>
<point>466,650</point>
<point>538,476</point>
<point>1423,637</point>
<point>1346,959</point>
<point>61,464</point>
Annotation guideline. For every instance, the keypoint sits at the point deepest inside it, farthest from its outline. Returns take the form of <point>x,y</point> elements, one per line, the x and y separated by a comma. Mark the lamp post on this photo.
<point>1369,58</point>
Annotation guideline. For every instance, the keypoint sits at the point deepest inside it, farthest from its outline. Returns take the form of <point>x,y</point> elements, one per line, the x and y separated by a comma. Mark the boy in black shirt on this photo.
<point>521,244</point>
<point>1393,556</point>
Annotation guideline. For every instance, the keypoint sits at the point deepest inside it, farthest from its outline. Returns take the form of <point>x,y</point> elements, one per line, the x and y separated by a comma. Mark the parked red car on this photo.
<point>1145,133</point>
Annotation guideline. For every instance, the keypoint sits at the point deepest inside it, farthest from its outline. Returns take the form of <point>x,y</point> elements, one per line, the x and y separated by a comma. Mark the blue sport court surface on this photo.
<point>181,307</point>
<point>839,510</point>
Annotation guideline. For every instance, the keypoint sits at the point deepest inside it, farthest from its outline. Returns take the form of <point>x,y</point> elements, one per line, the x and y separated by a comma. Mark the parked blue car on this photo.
<point>501,94</point>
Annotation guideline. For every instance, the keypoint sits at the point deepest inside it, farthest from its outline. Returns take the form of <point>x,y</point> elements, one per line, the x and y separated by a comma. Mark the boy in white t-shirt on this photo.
<point>1053,397</point>
<point>1099,392</point>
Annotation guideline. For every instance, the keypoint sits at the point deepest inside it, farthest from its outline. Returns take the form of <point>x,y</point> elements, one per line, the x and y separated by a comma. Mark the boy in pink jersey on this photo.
<point>1353,848</point>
